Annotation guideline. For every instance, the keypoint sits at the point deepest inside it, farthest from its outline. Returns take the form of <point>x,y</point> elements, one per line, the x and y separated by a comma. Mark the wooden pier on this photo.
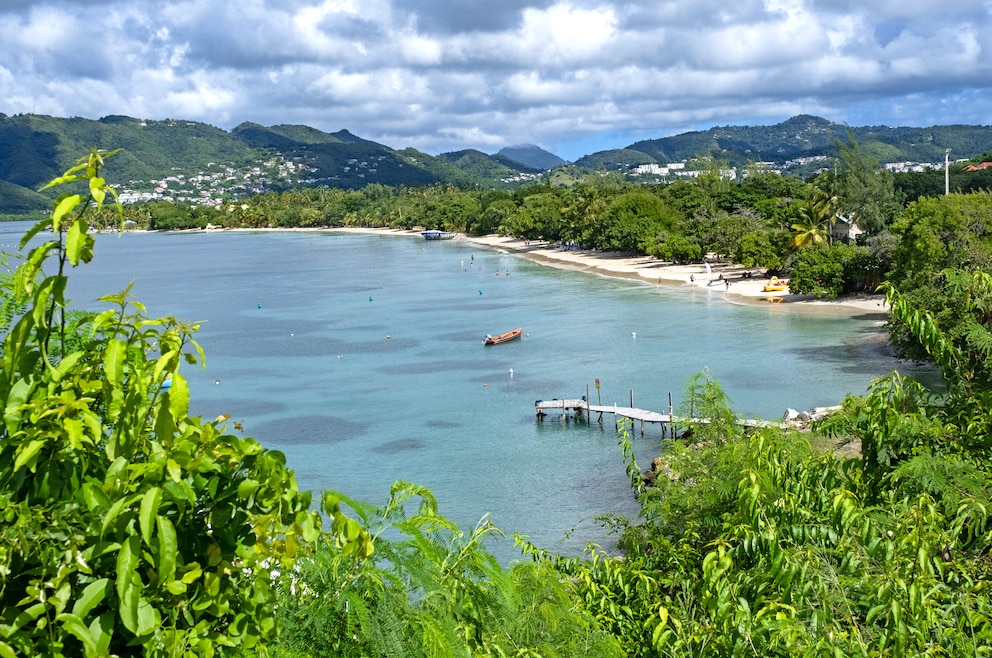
<point>578,407</point>
<point>667,421</point>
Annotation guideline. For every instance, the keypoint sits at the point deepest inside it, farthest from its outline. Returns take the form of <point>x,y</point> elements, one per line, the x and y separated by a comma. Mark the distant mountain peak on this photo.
<point>531,155</point>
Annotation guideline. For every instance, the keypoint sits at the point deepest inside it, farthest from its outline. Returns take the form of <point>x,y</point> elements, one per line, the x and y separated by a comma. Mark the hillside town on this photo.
<point>221,182</point>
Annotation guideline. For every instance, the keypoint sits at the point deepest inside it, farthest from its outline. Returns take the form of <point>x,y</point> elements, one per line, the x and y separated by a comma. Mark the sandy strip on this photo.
<point>741,289</point>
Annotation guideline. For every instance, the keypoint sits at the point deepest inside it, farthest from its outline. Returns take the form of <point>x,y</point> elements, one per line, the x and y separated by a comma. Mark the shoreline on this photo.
<point>647,269</point>
<point>725,279</point>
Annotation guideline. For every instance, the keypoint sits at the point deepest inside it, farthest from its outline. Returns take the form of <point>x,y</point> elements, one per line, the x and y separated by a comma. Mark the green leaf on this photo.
<point>148,617</point>
<point>113,361</point>
<point>193,574</point>
<point>65,205</point>
<point>33,231</point>
<point>74,625</point>
<point>179,397</point>
<point>128,583</point>
<point>102,628</point>
<point>176,587</point>
<point>116,509</point>
<point>28,453</point>
<point>148,511</point>
<point>93,594</point>
<point>168,547</point>
<point>175,472</point>
<point>95,498</point>
<point>98,190</point>
<point>17,396</point>
<point>65,365</point>
<point>247,487</point>
<point>79,243</point>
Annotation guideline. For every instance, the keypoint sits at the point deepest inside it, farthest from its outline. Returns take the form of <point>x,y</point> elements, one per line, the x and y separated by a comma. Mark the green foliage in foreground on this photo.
<point>130,528</point>
<point>431,591</point>
<point>751,545</point>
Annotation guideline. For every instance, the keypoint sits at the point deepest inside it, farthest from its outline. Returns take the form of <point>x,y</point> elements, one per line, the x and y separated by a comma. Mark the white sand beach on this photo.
<point>741,288</point>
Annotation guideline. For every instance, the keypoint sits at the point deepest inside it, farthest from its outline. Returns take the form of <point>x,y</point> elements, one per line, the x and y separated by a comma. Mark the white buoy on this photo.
<point>633,334</point>
<point>217,382</point>
<point>511,372</point>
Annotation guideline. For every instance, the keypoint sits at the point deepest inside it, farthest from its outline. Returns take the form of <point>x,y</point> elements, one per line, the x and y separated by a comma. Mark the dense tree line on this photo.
<point>131,528</point>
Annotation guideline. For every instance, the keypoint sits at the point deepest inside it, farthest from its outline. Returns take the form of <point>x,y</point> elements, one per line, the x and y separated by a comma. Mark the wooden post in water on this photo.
<point>599,400</point>
<point>671,417</point>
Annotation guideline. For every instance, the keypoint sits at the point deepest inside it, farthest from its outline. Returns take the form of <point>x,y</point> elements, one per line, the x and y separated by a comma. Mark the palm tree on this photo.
<point>816,216</point>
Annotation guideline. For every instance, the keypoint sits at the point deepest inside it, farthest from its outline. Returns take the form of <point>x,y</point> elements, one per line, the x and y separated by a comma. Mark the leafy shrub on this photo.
<point>128,526</point>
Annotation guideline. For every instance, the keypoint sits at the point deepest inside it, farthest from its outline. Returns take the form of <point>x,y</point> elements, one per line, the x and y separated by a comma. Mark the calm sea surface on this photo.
<point>361,358</point>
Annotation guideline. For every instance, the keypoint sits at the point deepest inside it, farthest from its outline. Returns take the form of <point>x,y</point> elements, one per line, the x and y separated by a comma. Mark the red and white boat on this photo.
<point>503,338</point>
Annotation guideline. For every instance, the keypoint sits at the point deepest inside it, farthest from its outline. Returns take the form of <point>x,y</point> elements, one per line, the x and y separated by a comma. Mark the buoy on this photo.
<point>511,372</point>
<point>370,299</point>
<point>485,385</point>
<point>260,306</point>
<point>633,334</point>
<point>480,292</point>
<point>217,382</point>
<point>388,336</point>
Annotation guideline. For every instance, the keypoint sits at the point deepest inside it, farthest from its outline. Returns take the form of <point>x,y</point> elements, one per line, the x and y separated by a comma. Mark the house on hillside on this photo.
<point>978,167</point>
<point>844,230</point>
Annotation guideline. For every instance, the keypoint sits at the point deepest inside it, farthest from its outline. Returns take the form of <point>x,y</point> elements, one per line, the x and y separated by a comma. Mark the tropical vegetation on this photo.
<point>132,528</point>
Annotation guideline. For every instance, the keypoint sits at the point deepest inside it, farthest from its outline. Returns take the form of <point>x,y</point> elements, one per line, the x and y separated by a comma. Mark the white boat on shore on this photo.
<point>437,235</point>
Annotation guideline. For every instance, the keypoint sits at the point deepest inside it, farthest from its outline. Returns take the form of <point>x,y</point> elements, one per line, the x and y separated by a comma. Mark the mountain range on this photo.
<point>36,148</point>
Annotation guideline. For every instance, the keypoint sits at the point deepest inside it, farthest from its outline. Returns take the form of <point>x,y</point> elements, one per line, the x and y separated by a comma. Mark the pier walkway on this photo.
<point>667,421</point>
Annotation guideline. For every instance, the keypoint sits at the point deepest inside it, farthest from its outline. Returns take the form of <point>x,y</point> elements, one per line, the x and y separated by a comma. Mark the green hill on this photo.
<point>531,155</point>
<point>35,148</point>
<point>616,159</point>
<point>806,136</point>
<point>484,167</point>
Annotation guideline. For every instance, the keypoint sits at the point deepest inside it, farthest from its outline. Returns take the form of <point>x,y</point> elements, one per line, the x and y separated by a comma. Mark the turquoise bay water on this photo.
<point>361,358</point>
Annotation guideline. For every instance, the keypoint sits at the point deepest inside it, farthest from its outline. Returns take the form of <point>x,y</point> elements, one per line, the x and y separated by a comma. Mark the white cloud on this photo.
<point>450,74</point>
<point>564,34</point>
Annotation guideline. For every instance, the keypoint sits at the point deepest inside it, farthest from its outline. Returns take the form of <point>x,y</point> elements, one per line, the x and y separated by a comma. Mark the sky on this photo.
<point>571,76</point>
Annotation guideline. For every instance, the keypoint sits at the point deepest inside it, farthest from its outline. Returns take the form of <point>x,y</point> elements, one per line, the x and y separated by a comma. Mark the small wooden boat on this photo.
<point>776,284</point>
<point>503,338</point>
<point>437,235</point>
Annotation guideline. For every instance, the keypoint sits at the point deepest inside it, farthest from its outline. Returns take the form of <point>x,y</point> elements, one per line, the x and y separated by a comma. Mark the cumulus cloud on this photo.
<point>442,75</point>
